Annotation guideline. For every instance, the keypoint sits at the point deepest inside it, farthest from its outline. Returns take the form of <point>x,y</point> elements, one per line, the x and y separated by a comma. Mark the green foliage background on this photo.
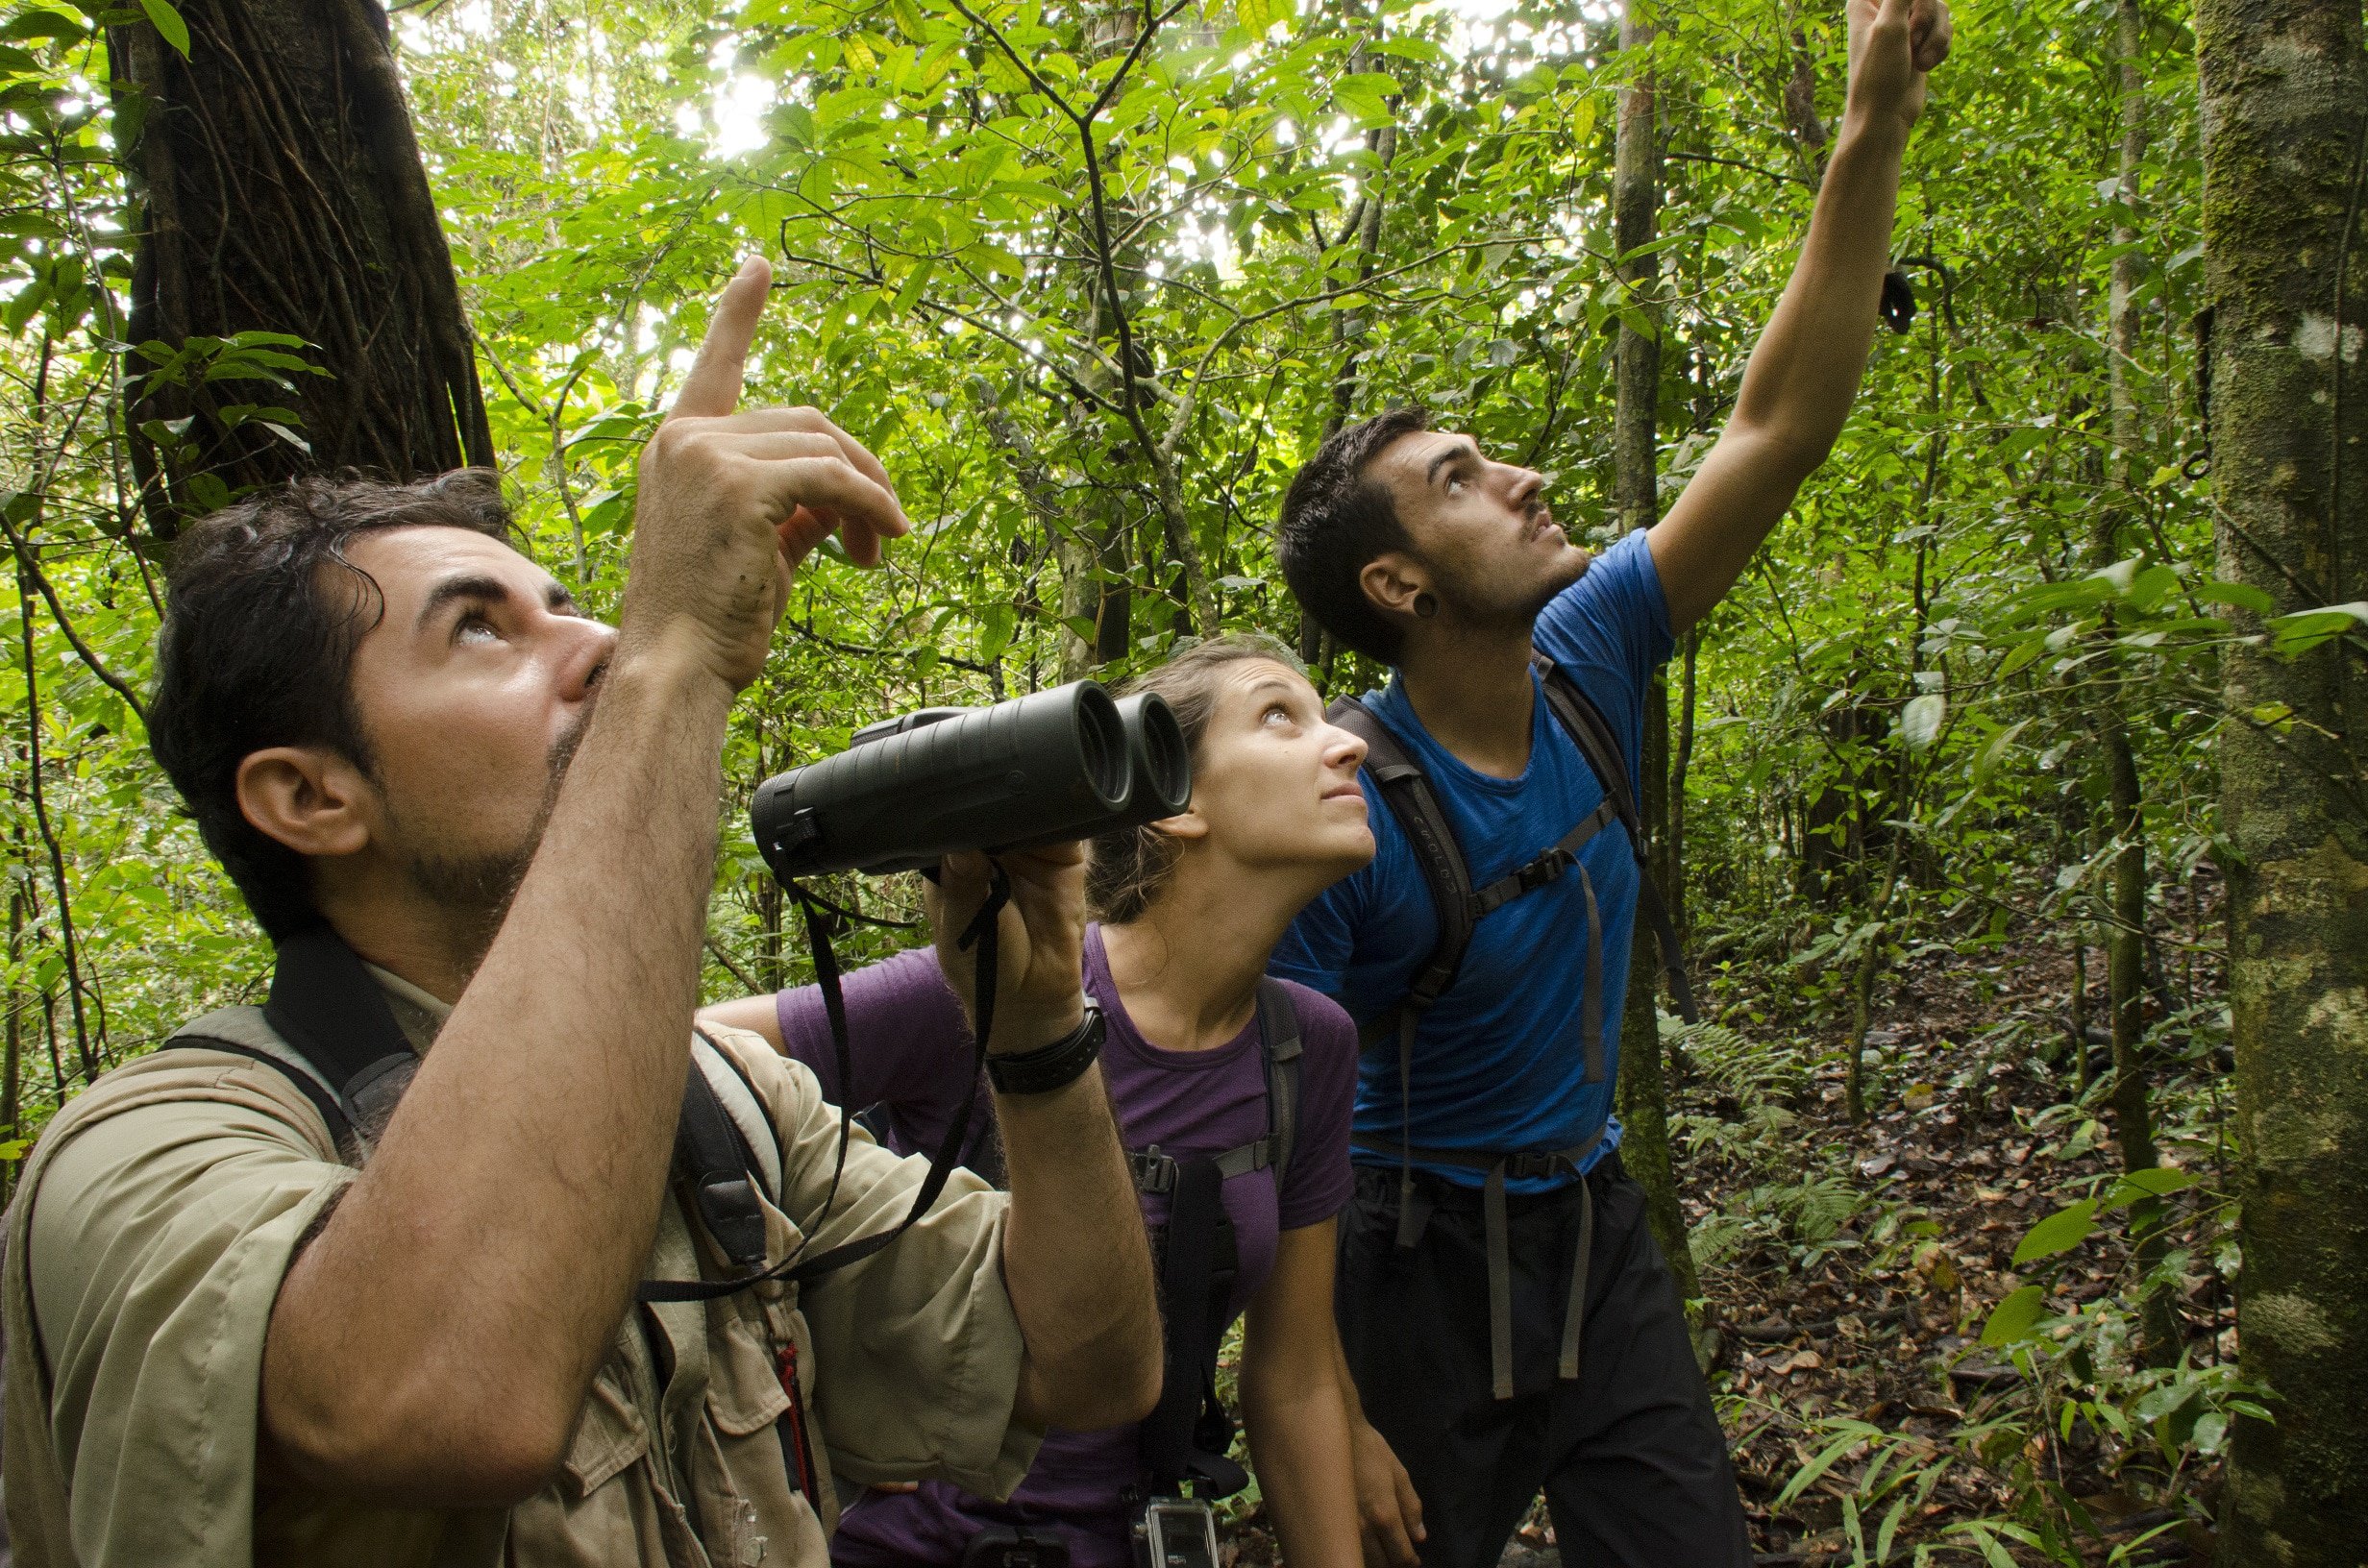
<point>918,179</point>
<point>1918,653</point>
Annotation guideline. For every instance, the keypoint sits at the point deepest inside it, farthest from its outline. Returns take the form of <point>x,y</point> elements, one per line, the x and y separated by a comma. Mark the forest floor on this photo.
<point>1851,1272</point>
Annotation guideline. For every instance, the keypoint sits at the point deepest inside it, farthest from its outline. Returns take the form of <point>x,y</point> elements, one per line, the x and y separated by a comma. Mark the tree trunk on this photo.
<point>2125,930</point>
<point>1636,201</point>
<point>1351,323</point>
<point>13,1065</point>
<point>2285,88</point>
<point>277,188</point>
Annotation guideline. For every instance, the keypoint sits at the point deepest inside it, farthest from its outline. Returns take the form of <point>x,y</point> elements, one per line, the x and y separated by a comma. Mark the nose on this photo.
<point>590,646</point>
<point>1342,750</point>
<point>1525,485</point>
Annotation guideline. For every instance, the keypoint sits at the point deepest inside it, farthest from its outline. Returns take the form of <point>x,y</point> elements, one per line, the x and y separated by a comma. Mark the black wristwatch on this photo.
<point>1053,1067</point>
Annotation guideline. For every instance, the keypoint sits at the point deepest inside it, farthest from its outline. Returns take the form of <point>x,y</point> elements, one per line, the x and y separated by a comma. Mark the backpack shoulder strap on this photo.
<point>1156,1170</point>
<point>331,1013</point>
<point>297,1072</point>
<point>1593,734</point>
<point>717,1160</point>
<point>1279,1039</point>
<point>1407,792</point>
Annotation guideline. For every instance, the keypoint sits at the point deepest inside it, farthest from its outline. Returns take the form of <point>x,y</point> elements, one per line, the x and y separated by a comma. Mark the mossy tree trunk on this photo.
<point>1636,204</point>
<point>279,190</point>
<point>2286,135</point>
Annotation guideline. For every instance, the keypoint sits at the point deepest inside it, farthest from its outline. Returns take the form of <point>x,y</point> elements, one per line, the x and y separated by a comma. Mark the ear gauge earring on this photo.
<point>1426,605</point>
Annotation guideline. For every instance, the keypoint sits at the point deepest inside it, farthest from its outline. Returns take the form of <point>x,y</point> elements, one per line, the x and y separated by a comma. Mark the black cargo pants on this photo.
<point>1629,1456</point>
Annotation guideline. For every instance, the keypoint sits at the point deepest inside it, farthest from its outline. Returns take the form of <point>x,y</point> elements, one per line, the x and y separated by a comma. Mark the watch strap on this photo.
<point>1053,1067</point>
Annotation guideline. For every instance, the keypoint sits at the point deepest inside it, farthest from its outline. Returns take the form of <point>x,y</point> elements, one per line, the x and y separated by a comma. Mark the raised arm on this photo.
<point>434,1342</point>
<point>1798,385</point>
<point>1076,1259</point>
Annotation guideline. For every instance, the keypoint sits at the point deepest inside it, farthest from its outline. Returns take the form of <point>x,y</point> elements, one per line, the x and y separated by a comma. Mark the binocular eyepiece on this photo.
<point>1064,764</point>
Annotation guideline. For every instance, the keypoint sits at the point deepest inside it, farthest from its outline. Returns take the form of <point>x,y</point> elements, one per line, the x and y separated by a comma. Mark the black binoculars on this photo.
<point>1054,766</point>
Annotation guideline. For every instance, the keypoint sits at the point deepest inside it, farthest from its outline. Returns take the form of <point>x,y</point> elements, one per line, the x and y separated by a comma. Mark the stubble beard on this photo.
<point>1492,607</point>
<point>475,890</point>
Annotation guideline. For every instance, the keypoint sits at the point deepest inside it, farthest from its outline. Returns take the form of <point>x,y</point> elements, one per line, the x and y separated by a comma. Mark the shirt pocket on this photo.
<point>771,1474</point>
<point>603,1506</point>
<point>609,1437</point>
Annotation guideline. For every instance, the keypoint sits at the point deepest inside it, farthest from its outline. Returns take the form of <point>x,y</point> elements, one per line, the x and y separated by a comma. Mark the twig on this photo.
<point>737,972</point>
<point>49,836</point>
<point>805,629</point>
<point>1738,163</point>
<point>29,566</point>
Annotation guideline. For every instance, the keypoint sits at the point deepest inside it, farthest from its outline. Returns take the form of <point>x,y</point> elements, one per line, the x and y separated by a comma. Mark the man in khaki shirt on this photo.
<point>231,1341</point>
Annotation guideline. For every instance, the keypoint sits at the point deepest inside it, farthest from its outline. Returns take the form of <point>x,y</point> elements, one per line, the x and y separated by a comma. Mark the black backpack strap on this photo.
<point>331,1013</point>
<point>1170,1453</point>
<point>1406,790</point>
<point>1154,1170</point>
<point>1591,733</point>
<point>340,1126</point>
<point>1278,1037</point>
<point>719,1170</point>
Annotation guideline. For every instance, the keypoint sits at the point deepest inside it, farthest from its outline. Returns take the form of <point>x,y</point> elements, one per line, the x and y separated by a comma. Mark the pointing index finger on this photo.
<point>713,386</point>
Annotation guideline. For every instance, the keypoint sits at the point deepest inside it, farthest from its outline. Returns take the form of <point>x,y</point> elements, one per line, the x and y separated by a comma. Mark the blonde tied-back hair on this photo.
<point>1125,871</point>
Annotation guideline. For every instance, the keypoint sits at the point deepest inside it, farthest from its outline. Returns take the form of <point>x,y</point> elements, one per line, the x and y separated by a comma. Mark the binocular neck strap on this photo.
<point>822,921</point>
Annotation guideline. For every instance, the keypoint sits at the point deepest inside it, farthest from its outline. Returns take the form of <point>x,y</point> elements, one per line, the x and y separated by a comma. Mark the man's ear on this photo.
<point>1392,580</point>
<point>308,798</point>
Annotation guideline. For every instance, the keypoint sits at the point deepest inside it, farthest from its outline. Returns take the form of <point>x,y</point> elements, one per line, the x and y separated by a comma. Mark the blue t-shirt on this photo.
<point>1500,1060</point>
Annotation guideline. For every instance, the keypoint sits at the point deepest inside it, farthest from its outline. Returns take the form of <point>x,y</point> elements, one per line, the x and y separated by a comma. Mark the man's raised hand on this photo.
<point>730,503</point>
<point>1893,45</point>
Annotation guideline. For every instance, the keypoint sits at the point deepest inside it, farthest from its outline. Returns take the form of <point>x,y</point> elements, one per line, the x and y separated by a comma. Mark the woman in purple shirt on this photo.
<point>1190,908</point>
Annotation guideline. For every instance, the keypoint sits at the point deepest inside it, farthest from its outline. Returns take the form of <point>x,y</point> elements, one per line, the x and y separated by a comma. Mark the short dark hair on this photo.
<point>262,614</point>
<point>1336,519</point>
<point>1125,871</point>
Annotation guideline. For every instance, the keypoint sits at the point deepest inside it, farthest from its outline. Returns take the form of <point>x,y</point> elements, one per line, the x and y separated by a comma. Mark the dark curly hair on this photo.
<point>1125,871</point>
<point>262,614</point>
<point>1336,519</point>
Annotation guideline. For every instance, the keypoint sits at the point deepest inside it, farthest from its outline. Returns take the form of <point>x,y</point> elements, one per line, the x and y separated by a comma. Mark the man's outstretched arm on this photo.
<point>1798,385</point>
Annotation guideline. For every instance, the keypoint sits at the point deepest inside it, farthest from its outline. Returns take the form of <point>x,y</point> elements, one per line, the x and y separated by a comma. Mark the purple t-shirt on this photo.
<point>910,1050</point>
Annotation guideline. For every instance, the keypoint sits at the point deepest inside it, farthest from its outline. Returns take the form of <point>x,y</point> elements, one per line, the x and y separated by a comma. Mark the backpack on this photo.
<point>1187,1434</point>
<point>1407,791</point>
<point>350,1057</point>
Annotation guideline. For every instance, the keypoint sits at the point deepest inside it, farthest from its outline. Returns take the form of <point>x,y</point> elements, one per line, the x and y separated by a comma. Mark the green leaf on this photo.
<point>2155,1182</point>
<point>168,24</point>
<point>1919,721</point>
<point>2013,1318</point>
<point>2305,629</point>
<point>2239,596</point>
<point>2060,1232</point>
<point>36,26</point>
<point>1996,751</point>
<point>2019,656</point>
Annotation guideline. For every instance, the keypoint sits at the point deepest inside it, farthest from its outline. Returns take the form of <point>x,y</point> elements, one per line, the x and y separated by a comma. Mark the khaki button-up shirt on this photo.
<point>162,1208</point>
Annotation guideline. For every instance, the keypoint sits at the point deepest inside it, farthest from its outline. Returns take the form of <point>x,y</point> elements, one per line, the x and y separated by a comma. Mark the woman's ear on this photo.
<point>308,798</point>
<point>1184,824</point>
<point>1392,580</point>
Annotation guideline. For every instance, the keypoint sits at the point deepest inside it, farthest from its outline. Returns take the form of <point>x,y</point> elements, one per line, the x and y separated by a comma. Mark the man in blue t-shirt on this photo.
<point>1489,1360</point>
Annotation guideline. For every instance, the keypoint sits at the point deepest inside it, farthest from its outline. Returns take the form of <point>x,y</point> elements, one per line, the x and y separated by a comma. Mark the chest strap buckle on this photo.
<point>1153,1172</point>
